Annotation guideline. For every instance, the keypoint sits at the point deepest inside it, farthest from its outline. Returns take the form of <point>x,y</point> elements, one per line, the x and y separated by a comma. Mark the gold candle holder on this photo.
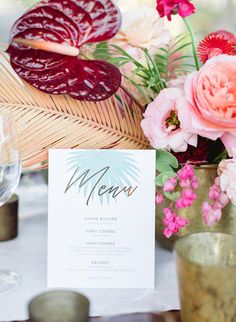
<point>9,219</point>
<point>206,267</point>
<point>59,306</point>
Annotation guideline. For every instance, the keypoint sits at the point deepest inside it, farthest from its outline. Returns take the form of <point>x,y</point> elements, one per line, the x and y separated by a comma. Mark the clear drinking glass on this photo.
<point>10,170</point>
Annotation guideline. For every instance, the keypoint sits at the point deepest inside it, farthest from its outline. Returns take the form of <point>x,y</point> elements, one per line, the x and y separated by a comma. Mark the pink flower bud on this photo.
<point>214,192</point>
<point>224,199</point>
<point>170,184</point>
<point>173,180</point>
<point>187,172</point>
<point>187,203</point>
<point>167,211</point>
<point>213,217</point>
<point>168,220</point>
<point>167,232</point>
<point>181,221</point>
<point>217,181</point>
<point>210,215</point>
<point>217,205</point>
<point>206,208</point>
<point>188,194</point>
<point>195,183</point>
<point>159,199</point>
<point>179,204</point>
<point>185,183</point>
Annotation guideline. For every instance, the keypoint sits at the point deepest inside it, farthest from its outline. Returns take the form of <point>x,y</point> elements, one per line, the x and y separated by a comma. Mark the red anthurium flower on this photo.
<point>171,7</point>
<point>216,43</point>
<point>68,25</point>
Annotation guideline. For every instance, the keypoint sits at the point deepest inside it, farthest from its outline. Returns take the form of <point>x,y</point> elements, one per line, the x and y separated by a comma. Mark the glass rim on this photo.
<point>180,254</point>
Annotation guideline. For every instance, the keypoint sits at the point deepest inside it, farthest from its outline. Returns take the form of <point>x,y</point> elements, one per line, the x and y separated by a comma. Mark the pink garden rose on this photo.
<point>211,94</point>
<point>162,123</point>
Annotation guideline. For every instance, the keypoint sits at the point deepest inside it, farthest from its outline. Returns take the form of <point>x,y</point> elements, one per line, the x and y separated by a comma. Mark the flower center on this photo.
<point>172,122</point>
<point>214,52</point>
<point>175,10</point>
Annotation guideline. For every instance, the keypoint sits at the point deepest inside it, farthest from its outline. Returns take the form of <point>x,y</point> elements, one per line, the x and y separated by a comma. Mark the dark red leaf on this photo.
<point>59,74</point>
<point>72,22</point>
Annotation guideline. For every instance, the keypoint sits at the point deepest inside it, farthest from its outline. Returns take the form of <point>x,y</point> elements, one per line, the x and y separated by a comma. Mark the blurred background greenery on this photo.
<point>211,14</point>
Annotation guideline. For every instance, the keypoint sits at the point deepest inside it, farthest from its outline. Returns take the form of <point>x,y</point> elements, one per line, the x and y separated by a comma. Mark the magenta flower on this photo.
<point>171,7</point>
<point>173,223</point>
<point>188,181</point>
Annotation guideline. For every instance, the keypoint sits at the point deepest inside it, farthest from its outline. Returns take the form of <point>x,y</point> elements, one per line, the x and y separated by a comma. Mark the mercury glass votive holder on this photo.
<point>206,268</point>
<point>59,306</point>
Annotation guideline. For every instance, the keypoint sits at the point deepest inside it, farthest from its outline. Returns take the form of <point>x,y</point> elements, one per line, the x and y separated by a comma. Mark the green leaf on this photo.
<point>166,162</point>
<point>102,51</point>
<point>126,55</point>
<point>163,177</point>
<point>164,50</point>
<point>180,48</point>
<point>172,196</point>
<point>180,39</point>
<point>180,58</point>
<point>159,56</point>
<point>166,57</point>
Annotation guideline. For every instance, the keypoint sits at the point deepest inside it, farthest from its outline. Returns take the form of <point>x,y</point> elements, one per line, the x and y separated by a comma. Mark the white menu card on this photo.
<point>101,220</point>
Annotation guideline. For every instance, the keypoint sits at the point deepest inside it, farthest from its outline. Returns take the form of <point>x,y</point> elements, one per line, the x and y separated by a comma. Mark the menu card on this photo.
<point>101,218</point>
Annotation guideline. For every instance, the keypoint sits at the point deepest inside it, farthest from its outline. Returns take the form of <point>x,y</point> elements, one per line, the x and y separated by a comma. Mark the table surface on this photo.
<point>27,255</point>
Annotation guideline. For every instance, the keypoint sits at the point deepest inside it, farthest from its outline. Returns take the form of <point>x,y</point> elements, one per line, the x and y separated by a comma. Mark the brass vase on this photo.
<point>206,270</point>
<point>206,176</point>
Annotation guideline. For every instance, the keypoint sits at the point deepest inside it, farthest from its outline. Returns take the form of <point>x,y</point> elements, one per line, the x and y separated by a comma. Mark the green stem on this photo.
<point>223,155</point>
<point>193,43</point>
<point>155,68</point>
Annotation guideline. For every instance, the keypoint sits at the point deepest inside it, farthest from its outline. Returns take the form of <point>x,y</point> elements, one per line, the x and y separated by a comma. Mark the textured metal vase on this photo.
<point>206,176</point>
<point>206,267</point>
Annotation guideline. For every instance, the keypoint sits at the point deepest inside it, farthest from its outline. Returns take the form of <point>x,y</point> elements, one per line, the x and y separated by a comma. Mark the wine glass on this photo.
<point>10,170</point>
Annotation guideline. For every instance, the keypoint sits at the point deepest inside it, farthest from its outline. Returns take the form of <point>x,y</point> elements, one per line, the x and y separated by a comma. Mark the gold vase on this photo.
<point>206,176</point>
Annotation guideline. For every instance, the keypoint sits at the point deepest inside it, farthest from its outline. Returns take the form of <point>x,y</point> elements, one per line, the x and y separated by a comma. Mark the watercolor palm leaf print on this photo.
<point>119,168</point>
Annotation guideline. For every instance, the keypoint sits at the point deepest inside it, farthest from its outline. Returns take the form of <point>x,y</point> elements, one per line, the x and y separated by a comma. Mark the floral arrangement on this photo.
<point>186,90</point>
<point>189,91</point>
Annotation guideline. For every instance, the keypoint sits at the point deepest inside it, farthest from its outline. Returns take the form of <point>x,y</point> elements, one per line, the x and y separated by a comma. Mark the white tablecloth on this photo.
<point>27,256</point>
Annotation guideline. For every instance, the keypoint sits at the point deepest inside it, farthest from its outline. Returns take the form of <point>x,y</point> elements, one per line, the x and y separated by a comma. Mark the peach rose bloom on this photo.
<point>211,93</point>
